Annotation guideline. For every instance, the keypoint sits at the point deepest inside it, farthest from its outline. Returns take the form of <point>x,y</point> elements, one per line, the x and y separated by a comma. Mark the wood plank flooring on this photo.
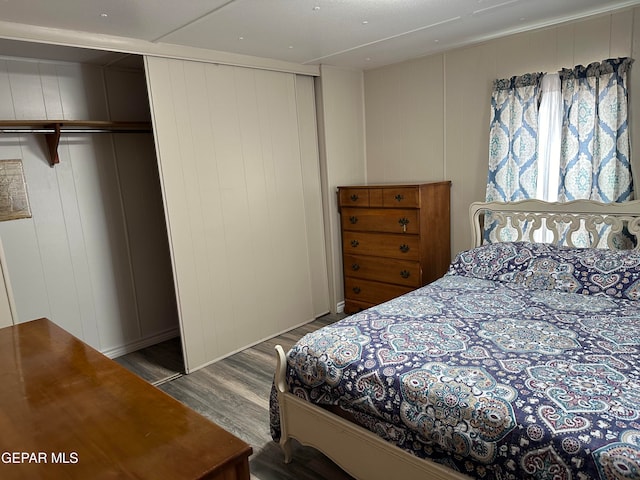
<point>234,393</point>
<point>156,364</point>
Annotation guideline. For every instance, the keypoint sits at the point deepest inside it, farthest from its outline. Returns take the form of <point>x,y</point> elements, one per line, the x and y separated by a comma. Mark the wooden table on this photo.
<point>67,411</point>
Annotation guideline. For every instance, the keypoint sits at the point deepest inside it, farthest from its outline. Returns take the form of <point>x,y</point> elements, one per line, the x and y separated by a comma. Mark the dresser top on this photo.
<point>396,185</point>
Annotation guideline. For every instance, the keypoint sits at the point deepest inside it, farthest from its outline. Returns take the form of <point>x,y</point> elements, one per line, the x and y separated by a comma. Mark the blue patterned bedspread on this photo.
<point>521,362</point>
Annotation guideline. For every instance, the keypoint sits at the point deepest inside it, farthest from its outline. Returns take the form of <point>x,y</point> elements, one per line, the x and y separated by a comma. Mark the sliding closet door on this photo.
<point>241,188</point>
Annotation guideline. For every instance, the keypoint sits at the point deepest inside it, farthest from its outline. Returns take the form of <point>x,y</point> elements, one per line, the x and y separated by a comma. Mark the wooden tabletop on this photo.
<point>67,411</point>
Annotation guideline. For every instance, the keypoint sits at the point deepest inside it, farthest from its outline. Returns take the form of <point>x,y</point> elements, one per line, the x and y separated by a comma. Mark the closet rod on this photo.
<point>52,129</point>
<point>75,130</point>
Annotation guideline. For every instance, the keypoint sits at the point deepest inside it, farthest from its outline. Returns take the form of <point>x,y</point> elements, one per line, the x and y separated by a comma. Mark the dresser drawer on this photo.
<point>371,292</point>
<point>392,220</point>
<point>400,272</point>
<point>401,197</point>
<point>354,306</point>
<point>353,197</point>
<point>402,246</point>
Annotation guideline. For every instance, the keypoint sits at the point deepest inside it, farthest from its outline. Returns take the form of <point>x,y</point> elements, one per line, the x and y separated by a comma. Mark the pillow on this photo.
<point>543,266</point>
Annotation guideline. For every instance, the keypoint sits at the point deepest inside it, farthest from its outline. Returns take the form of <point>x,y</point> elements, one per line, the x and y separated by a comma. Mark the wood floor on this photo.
<point>234,393</point>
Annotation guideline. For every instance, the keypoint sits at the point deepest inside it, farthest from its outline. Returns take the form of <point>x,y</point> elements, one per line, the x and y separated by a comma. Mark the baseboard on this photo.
<point>142,343</point>
<point>340,307</point>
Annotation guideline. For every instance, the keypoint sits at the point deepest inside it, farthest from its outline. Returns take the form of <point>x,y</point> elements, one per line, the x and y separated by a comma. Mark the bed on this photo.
<point>521,362</point>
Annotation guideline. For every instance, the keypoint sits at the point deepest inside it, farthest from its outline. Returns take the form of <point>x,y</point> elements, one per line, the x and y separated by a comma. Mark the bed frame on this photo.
<point>527,217</point>
<point>366,456</point>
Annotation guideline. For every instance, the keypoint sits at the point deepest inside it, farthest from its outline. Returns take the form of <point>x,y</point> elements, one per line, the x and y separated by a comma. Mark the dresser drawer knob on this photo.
<point>399,197</point>
<point>404,248</point>
<point>405,273</point>
<point>356,290</point>
<point>354,197</point>
<point>355,267</point>
<point>353,219</point>
<point>355,243</point>
<point>404,222</point>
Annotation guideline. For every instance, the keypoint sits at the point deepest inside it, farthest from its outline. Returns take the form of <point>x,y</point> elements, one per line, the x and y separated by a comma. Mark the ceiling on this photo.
<point>350,33</point>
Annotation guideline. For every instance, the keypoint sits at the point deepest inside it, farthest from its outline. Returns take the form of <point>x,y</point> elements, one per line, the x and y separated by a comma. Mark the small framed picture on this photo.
<point>14,202</point>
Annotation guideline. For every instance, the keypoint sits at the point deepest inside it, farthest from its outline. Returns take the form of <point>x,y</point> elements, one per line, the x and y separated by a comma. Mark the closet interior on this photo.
<point>93,256</point>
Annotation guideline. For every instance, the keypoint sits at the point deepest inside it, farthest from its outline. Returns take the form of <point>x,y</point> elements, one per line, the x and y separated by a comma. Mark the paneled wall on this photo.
<point>94,256</point>
<point>428,119</point>
<point>341,139</point>
<point>239,166</point>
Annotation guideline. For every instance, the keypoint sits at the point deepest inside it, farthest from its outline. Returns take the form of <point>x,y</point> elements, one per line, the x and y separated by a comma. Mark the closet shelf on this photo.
<point>52,129</point>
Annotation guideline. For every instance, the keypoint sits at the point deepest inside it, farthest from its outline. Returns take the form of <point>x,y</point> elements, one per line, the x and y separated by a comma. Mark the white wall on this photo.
<point>428,119</point>
<point>340,101</point>
<point>405,128</point>
<point>96,237</point>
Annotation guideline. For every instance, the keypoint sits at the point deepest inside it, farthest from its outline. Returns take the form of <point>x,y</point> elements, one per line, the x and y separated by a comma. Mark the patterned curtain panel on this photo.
<point>595,162</point>
<point>595,153</point>
<point>513,138</point>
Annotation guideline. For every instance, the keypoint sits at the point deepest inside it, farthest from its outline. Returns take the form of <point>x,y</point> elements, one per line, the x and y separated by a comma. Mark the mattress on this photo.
<point>521,362</point>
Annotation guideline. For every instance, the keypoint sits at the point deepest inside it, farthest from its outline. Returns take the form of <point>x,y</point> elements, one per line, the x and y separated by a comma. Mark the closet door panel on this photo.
<point>258,163</point>
<point>237,145</point>
<point>289,236</point>
<point>167,90</point>
<point>229,151</point>
<point>308,132</point>
<point>214,289</point>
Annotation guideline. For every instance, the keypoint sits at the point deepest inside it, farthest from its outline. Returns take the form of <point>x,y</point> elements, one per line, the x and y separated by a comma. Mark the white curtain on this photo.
<point>549,138</point>
<point>549,142</point>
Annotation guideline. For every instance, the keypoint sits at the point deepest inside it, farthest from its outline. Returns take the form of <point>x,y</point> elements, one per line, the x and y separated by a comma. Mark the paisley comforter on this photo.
<point>521,362</point>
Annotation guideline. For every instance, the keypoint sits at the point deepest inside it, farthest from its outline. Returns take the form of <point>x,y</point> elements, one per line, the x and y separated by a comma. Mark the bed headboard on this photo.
<point>562,220</point>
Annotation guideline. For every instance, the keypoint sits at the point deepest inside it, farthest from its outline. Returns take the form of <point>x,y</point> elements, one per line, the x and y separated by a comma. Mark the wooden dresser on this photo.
<point>395,238</point>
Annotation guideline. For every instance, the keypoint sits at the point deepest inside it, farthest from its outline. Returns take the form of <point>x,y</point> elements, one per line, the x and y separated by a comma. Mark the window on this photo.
<point>561,136</point>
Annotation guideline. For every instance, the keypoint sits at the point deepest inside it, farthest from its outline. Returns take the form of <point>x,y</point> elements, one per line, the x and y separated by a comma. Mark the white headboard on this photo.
<point>561,219</point>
